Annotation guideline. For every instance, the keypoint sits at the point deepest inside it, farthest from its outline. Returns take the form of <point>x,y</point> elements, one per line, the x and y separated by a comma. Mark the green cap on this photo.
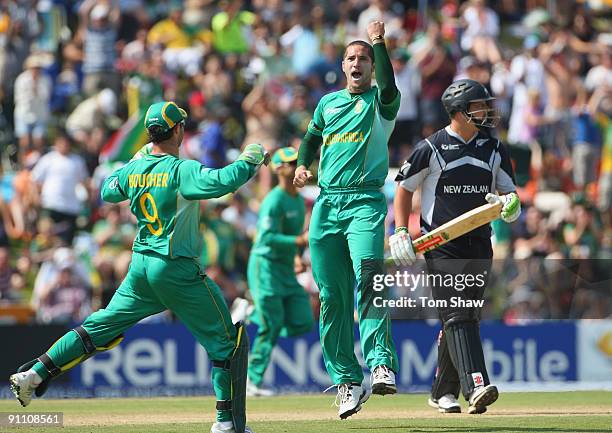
<point>285,154</point>
<point>164,114</point>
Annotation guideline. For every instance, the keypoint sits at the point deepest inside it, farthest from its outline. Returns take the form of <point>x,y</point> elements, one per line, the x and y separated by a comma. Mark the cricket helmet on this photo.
<point>460,94</point>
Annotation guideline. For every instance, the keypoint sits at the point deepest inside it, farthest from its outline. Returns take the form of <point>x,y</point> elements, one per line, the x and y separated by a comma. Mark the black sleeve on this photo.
<point>504,178</point>
<point>415,168</point>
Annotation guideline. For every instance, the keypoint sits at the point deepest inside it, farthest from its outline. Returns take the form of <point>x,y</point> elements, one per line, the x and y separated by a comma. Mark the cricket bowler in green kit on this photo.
<point>282,306</point>
<point>164,193</point>
<point>346,230</point>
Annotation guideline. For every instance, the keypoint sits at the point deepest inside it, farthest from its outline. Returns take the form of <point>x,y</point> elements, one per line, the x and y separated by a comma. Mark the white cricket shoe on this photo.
<point>445,404</point>
<point>481,398</point>
<point>24,384</point>
<point>383,381</point>
<point>227,427</point>
<point>253,390</point>
<point>349,399</point>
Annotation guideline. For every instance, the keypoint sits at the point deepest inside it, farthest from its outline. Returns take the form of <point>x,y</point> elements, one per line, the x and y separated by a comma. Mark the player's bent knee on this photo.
<point>328,300</point>
<point>299,329</point>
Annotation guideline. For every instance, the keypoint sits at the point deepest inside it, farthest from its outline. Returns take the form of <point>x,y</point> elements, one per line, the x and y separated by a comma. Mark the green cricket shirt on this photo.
<point>281,220</point>
<point>164,191</point>
<point>355,129</point>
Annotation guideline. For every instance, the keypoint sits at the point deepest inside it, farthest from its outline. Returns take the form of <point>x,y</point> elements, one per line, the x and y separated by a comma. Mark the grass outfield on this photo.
<point>514,412</point>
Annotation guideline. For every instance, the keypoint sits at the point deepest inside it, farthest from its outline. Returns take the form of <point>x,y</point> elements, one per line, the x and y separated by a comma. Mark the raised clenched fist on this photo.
<point>376,31</point>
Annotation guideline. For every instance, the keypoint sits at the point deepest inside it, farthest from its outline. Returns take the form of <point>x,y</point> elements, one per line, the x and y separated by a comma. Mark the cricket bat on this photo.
<point>456,227</point>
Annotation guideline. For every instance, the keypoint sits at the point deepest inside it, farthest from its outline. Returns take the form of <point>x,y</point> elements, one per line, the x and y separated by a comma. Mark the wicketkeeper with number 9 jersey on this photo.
<point>164,193</point>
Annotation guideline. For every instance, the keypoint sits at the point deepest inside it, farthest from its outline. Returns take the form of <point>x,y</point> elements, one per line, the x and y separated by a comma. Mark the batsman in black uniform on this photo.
<point>458,168</point>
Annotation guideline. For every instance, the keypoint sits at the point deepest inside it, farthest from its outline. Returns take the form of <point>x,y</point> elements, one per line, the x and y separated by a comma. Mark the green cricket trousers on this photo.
<point>153,284</point>
<point>347,231</point>
<point>282,308</point>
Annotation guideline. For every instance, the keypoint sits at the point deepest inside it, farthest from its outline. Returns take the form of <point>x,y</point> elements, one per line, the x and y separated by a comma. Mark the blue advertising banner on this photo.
<point>165,359</point>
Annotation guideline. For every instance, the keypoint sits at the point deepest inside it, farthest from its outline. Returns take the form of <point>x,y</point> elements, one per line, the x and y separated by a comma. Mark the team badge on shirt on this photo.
<point>359,106</point>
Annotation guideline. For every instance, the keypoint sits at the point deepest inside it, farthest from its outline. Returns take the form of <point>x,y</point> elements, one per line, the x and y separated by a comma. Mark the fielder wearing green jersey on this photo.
<point>352,127</point>
<point>282,307</point>
<point>164,193</point>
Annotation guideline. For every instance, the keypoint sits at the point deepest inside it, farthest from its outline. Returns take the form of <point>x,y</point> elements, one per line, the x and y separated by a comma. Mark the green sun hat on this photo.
<point>284,154</point>
<point>164,114</point>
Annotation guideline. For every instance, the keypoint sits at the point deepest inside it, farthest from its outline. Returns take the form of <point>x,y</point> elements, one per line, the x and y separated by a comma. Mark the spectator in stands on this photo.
<point>481,31</point>
<point>214,83</point>
<point>99,21</point>
<point>264,124</point>
<point>437,69</point>
<point>230,27</point>
<point>57,175</point>
<point>135,51</point>
<point>67,87</point>
<point>328,69</point>
<point>601,105</point>
<point>240,216</point>
<point>585,142</point>
<point>277,64</point>
<point>45,241</point>
<point>113,234</point>
<point>600,75</point>
<point>5,27</point>
<point>408,81</point>
<point>11,282</point>
<point>32,96</point>
<point>379,10</point>
<point>345,29</point>
<point>64,299</point>
<point>49,270</point>
<point>12,224</point>
<point>20,29</point>
<point>298,114</point>
<point>561,88</point>
<point>180,53</point>
<point>143,87</point>
<point>209,145</point>
<point>581,232</point>
<point>532,119</point>
<point>527,73</point>
<point>93,113</point>
<point>302,43</point>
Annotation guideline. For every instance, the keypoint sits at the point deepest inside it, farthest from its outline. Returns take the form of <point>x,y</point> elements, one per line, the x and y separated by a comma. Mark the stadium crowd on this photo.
<point>73,73</point>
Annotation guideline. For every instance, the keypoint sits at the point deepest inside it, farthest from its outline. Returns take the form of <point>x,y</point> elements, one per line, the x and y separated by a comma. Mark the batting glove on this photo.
<point>255,154</point>
<point>400,245</point>
<point>511,208</point>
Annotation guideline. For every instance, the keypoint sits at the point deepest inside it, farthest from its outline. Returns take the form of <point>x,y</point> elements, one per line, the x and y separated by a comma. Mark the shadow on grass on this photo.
<point>421,429</point>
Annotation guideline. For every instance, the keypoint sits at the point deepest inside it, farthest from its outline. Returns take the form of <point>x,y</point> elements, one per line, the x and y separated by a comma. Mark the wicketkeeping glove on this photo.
<point>255,154</point>
<point>511,208</point>
<point>400,245</point>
